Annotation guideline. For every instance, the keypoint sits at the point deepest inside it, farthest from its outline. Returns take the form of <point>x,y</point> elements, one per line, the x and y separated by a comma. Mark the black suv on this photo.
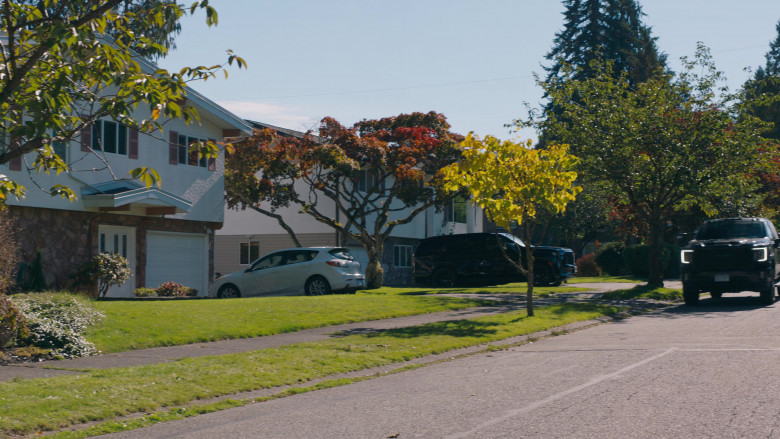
<point>731,255</point>
<point>478,259</point>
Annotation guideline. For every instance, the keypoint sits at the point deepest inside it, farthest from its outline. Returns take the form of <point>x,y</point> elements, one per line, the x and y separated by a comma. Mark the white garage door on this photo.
<point>177,257</point>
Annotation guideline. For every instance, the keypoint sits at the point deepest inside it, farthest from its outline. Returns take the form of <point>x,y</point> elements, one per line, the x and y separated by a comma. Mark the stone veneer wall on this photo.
<point>67,239</point>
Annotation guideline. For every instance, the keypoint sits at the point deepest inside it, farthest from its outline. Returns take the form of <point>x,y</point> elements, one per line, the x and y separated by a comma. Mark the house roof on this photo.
<point>126,195</point>
<point>282,131</point>
<point>219,112</point>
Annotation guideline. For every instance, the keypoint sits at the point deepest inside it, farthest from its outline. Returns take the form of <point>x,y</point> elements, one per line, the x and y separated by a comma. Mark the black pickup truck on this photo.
<point>731,255</point>
<point>479,259</point>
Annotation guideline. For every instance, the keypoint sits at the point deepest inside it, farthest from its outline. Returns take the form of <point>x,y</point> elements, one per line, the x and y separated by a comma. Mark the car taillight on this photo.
<point>337,263</point>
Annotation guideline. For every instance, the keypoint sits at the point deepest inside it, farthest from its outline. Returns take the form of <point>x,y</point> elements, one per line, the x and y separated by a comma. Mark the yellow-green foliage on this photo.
<point>510,180</point>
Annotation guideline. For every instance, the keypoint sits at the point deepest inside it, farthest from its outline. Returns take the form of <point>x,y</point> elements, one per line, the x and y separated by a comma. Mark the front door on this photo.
<point>116,239</point>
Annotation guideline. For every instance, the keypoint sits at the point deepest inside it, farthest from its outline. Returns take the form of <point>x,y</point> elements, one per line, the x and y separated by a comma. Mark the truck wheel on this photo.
<point>690,295</point>
<point>444,278</point>
<point>716,294</point>
<point>768,295</point>
<point>545,277</point>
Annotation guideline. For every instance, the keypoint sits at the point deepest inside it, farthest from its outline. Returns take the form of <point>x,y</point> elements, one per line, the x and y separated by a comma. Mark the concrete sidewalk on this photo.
<point>173,353</point>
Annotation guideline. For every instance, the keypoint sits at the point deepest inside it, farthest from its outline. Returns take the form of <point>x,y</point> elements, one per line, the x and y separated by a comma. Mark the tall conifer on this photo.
<point>762,92</point>
<point>608,30</point>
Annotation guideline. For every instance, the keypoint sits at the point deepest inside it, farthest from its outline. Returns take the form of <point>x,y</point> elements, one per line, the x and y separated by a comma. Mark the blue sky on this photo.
<point>473,61</point>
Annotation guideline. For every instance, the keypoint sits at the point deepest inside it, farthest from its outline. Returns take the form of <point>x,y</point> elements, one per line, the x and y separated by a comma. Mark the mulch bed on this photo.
<point>11,356</point>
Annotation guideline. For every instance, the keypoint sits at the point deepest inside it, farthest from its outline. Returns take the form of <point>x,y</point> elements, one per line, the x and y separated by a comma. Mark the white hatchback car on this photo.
<point>309,270</point>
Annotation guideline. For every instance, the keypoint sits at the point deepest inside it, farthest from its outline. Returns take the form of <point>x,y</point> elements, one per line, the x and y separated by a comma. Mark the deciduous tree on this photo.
<point>66,63</point>
<point>375,176</point>
<point>668,144</point>
<point>513,183</point>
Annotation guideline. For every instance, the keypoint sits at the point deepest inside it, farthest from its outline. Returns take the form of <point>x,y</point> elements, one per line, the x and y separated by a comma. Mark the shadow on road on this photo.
<point>709,307</point>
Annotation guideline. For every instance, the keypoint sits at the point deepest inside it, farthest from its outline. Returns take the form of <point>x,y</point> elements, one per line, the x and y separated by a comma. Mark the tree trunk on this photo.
<point>529,268</point>
<point>655,276</point>
<point>374,272</point>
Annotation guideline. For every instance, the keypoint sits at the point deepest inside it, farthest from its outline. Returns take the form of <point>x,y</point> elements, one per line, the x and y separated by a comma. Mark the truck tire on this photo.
<point>690,295</point>
<point>768,295</point>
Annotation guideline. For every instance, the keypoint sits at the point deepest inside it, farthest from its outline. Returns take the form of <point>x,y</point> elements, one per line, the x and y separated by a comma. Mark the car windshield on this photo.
<point>731,230</point>
<point>341,253</point>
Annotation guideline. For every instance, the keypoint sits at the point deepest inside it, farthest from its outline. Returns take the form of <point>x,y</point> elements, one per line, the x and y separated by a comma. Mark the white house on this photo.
<point>166,233</point>
<point>247,234</point>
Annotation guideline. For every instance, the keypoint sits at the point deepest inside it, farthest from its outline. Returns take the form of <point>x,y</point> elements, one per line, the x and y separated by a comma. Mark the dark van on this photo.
<point>478,259</point>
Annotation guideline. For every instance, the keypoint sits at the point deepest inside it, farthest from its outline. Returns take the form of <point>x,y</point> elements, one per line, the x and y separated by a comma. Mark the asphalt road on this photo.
<point>710,371</point>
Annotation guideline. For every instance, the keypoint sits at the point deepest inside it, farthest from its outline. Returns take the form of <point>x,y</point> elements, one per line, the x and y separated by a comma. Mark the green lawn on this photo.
<point>644,292</point>
<point>31,405</point>
<point>606,279</point>
<point>142,324</point>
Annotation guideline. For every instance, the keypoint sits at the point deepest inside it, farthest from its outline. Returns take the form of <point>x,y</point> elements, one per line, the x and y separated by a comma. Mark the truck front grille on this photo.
<point>723,259</point>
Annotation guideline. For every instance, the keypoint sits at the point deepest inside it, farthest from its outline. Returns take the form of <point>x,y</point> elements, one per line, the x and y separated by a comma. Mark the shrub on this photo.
<point>172,289</point>
<point>37,281</point>
<point>637,259</point>
<point>609,256</point>
<point>13,326</point>
<point>107,269</point>
<point>57,322</point>
<point>144,292</point>
<point>586,266</point>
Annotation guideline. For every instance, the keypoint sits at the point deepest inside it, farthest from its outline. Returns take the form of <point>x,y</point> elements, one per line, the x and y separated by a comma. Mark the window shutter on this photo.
<point>133,152</point>
<point>15,164</point>
<point>212,166</point>
<point>173,148</point>
<point>86,137</point>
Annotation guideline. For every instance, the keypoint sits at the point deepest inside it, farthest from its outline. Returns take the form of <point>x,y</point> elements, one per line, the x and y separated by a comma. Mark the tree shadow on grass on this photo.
<point>452,328</point>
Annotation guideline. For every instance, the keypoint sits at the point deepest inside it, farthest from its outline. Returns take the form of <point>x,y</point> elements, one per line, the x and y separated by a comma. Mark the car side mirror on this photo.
<point>777,242</point>
<point>683,239</point>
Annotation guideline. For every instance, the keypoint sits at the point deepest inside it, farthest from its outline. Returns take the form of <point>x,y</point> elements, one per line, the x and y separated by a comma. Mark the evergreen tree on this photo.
<point>596,31</point>
<point>606,30</point>
<point>761,98</point>
<point>762,92</point>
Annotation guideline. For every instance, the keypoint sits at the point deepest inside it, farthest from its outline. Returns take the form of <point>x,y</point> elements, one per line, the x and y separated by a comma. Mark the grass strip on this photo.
<point>47,404</point>
<point>644,292</point>
<point>137,324</point>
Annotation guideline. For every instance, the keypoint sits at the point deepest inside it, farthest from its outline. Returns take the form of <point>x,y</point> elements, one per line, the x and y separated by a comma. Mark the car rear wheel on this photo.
<point>317,286</point>
<point>444,278</point>
<point>716,294</point>
<point>228,291</point>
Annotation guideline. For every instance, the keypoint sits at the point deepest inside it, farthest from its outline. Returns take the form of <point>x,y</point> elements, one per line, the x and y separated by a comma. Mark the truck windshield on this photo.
<point>731,230</point>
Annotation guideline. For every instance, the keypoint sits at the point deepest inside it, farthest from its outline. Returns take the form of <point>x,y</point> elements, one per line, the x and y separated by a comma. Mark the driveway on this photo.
<point>710,371</point>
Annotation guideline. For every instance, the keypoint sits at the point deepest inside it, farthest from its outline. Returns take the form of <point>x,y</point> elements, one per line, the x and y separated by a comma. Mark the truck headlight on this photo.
<point>761,254</point>
<point>686,256</point>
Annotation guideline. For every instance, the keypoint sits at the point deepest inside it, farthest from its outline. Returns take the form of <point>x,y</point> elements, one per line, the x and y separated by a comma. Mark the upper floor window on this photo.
<point>184,151</point>
<point>368,181</point>
<point>61,149</point>
<point>456,211</point>
<point>109,136</point>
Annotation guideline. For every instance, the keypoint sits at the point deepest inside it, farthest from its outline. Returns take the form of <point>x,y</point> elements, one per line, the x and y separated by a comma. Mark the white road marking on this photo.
<point>549,399</point>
